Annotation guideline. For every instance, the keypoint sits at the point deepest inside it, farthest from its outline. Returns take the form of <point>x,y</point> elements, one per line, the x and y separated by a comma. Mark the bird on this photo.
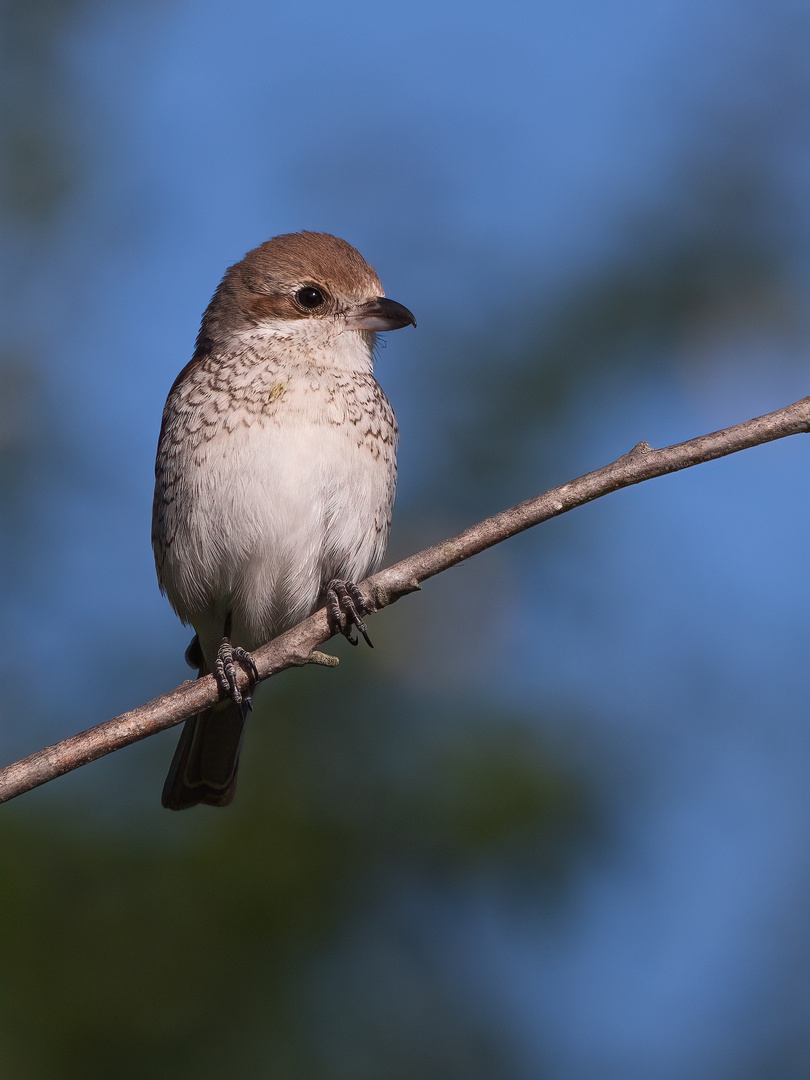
<point>274,477</point>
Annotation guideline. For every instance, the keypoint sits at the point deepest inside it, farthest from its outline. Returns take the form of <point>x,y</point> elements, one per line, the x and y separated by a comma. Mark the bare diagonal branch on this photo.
<point>299,645</point>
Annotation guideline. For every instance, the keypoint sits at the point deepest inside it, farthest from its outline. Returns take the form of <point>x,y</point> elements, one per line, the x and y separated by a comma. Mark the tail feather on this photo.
<point>205,763</point>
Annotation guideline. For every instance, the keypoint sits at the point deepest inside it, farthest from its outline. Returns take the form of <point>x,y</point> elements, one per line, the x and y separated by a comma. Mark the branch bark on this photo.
<point>299,645</point>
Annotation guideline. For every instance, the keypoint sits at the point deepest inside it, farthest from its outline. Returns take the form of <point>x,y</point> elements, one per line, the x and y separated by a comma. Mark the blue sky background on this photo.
<point>507,169</point>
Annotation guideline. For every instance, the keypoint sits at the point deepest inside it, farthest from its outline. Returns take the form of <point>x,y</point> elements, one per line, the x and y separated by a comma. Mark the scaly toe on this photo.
<point>345,609</point>
<point>226,674</point>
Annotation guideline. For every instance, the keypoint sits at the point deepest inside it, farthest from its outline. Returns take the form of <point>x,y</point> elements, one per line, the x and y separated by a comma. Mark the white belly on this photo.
<point>273,513</point>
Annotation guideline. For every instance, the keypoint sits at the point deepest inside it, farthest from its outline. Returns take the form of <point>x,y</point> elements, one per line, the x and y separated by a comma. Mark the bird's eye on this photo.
<point>310,297</point>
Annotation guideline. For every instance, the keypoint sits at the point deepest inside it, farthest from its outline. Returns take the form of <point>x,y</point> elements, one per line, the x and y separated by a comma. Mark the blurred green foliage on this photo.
<point>717,260</point>
<point>189,952</point>
<point>38,153</point>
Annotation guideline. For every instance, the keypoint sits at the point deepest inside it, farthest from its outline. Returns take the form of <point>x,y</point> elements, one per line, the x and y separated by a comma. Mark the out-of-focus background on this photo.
<point>555,827</point>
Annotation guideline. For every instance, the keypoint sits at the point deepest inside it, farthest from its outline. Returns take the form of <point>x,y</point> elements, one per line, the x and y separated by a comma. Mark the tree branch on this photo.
<point>299,645</point>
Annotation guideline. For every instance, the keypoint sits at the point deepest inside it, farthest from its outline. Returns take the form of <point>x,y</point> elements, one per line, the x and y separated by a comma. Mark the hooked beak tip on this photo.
<point>379,314</point>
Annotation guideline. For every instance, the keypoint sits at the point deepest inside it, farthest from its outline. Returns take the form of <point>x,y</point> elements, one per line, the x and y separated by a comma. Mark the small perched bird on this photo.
<point>275,475</point>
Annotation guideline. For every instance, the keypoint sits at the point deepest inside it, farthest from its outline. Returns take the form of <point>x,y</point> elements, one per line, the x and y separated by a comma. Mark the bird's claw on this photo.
<point>225,673</point>
<point>345,608</point>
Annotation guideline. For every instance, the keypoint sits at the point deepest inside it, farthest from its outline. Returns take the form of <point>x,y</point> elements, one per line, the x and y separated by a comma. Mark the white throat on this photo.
<point>325,341</point>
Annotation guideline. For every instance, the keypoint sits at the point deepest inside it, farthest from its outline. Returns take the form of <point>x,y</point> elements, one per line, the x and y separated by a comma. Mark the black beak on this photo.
<point>379,314</point>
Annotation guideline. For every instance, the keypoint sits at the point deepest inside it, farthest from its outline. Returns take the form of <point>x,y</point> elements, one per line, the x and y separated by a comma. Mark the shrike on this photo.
<point>275,474</point>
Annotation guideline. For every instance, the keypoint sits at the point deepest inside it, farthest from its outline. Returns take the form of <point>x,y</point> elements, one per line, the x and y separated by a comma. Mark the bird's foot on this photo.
<point>345,608</point>
<point>225,673</point>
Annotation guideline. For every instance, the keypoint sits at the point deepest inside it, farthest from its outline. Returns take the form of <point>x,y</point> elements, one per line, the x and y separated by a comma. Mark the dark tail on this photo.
<point>204,765</point>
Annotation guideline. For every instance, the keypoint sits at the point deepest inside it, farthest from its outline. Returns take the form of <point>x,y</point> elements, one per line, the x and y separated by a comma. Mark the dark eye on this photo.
<point>310,297</point>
